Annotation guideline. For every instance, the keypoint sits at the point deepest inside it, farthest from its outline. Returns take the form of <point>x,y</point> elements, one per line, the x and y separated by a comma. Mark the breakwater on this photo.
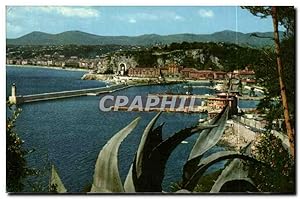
<point>20,99</point>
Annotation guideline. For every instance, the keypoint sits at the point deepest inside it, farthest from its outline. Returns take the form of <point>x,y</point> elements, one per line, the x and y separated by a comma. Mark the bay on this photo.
<point>70,132</point>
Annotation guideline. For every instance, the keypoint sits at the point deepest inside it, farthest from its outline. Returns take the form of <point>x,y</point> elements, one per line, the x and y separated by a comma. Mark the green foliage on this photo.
<point>109,71</point>
<point>278,173</point>
<point>81,38</point>
<point>289,73</point>
<point>266,69</point>
<point>146,59</point>
<point>16,165</point>
<point>81,51</point>
<point>266,73</point>
<point>286,15</point>
<point>231,56</point>
<point>207,181</point>
<point>189,62</point>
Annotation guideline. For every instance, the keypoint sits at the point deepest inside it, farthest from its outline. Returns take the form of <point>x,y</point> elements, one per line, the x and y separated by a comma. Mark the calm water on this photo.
<point>71,132</point>
<point>41,80</point>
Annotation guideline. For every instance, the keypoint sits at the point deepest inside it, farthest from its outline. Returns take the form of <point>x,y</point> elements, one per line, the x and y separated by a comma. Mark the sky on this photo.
<point>132,21</point>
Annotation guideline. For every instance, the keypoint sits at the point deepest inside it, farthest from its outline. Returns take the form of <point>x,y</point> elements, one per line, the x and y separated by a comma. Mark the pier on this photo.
<point>20,99</point>
<point>185,109</point>
<point>206,96</point>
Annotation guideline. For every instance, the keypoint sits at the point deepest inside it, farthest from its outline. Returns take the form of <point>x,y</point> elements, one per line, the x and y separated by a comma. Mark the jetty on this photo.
<point>21,99</point>
<point>205,96</point>
<point>186,109</point>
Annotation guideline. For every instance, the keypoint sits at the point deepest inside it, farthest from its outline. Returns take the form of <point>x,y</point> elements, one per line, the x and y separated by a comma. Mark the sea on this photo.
<point>69,133</point>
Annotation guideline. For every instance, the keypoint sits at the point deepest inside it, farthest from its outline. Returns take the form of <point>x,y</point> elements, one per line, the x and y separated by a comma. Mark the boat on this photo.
<point>91,94</point>
<point>203,118</point>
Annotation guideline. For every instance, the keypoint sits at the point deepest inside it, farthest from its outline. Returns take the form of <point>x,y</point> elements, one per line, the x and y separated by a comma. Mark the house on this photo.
<point>244,74</point>
<point>144,72</point>
<point>217,102</point>
<point>186,72</point>
<point>220,75</point>
<point>192,73</point>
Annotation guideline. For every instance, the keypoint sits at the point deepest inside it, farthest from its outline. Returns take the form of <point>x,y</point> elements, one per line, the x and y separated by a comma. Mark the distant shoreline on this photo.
<point>49,67</point>
<point>203,81</point>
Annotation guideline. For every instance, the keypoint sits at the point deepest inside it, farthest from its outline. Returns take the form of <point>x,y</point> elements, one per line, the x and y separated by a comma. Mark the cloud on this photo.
<point>132,20</point>
<point>135,17</point>
<point>170,15</point>
<point>206,13</point>
<point>52,19</point>
<point>178,18</point>
<point>71,11</point>
<point>143,16</point>
<point>14,29</point>
<point>65,11</point>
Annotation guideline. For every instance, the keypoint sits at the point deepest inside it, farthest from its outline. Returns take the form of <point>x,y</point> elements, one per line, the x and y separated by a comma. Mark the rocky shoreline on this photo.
<point>236,136</point>
<point>100,77</point>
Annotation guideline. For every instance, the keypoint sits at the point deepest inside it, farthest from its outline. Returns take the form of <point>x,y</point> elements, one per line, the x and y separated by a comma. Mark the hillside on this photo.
<point>82,38</point>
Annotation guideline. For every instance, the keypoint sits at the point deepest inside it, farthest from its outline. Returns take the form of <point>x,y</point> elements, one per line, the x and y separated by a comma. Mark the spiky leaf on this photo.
<point>210,137</point>
<point>154,172</point>
<point>155,137</point>
<point>154,156</point>
<point>140,156</point>
<point>106,176</point>
<point>236,170</point>
<point>183,191</point>
<point>241,185</point>
<point>129,184</point>
<point>206,140</point>
<point>210,160</point>
<point>56,185</point>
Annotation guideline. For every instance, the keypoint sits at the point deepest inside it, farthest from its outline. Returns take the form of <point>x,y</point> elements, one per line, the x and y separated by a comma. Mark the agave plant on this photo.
<point>56,184</point>
<point>146,172</point>
<point>236,171</point>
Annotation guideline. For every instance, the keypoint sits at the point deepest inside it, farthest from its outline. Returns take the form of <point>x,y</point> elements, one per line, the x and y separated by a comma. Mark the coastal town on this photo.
<point>172,70</point>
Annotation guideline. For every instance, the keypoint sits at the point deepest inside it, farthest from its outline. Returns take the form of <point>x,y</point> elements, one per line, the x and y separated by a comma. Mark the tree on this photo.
<point>284,16</point>
<point>290,130</point>
<point>278,172</point>
<point>16,169</point>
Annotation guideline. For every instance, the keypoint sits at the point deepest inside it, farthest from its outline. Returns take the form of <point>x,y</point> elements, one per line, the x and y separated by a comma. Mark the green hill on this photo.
<point>82,38</point>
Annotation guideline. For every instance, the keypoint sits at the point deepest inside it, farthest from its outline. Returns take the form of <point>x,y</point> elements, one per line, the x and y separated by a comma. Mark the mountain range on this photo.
<point>83,38</point>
